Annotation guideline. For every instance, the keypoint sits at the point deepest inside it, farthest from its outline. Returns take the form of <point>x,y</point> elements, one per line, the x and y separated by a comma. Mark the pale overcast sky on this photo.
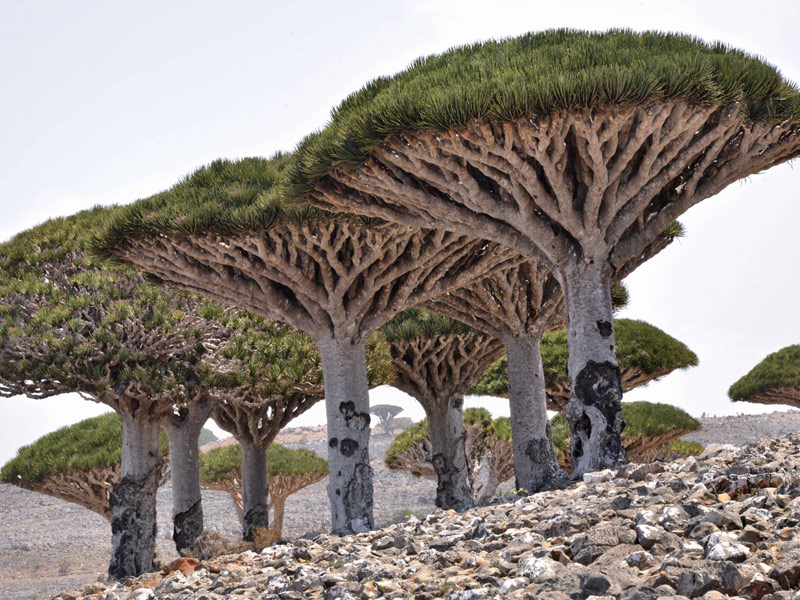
<point>107,102</point>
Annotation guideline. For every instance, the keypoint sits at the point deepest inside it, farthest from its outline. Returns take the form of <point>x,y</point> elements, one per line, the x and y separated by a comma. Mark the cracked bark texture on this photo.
<point>255,422</point>
<point>436,372</point>
<point>183,427</point>
<point>584,190</point>
<point>338,280</point>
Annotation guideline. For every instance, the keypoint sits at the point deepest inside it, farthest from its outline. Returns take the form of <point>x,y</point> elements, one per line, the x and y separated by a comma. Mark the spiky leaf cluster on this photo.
<point>643,351</point>
<point>537,74</point>
<point>225,197</point>
<point>415,323</point>
<point>71,322</point>
<point>775,380</point>
<point>218,463</point>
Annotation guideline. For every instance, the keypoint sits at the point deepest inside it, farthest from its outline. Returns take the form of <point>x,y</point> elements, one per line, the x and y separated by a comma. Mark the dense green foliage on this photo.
<point>416,323</point>
<point>684,448</point>
<point>69,317</point>
<point>642,419</point>
<point>216,464</point>
<point>640,346</point>
<point>226,197</point>
<point>72,318</point>
<point>88,444</point>
<point>779,370</point>
<point>417,433</point>
<point>534,75</point>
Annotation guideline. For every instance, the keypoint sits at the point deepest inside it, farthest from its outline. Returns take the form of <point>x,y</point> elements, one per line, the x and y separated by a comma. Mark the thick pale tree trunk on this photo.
<point>344,370</point>
<point>255,483</point>
<point>449,454</point>
<point>183,430</point>
<point>535,462</point>
<point>595,406</point>
<point>133,499</point>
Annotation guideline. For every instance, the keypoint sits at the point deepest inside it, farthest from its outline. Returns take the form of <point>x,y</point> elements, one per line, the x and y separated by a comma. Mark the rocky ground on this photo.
<point>674,527</point>
<point>47,545</point>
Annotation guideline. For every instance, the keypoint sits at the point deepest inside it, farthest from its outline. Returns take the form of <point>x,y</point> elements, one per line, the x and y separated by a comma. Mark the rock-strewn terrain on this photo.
<point>47,545</point>
<point>721,525</point>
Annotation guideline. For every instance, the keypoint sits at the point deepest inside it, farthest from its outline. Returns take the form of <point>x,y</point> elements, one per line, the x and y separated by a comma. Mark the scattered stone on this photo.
<point>682,530</point>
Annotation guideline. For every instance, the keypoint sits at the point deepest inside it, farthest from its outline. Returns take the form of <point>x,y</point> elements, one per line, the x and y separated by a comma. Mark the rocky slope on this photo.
<point>724,524</point>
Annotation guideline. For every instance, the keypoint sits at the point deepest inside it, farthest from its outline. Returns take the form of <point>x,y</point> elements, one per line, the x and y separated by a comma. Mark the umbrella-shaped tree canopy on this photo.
<point>289,472</point>
<point>579,148</point>
<point>436,359</point>
<point>645,353</point>
<point>775,380</point>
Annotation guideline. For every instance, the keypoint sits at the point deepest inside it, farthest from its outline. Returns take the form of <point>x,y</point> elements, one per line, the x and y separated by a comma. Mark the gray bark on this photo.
<point>133,499</point>
<point>594,409</point>
<point>255,483</point>
<point>449,454</point>
<point>535,462</point>
<point>183,430</point>
<point>344,371</point>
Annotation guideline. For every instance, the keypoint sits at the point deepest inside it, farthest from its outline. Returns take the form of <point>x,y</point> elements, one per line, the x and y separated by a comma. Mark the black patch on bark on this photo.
<point>348,447</point>
<point>333,442</point>
<point>458,403</point>
<point>352,418</point>
<point>605,328</point>
<point>133,525</point>
<point>598,384</point>
<point>583,429</point>
<point>256,517</point>
<point>440,464</point>
<point>187,526</point>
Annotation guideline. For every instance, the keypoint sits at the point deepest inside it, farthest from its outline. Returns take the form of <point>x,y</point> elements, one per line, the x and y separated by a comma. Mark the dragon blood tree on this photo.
<point>775,380</point>
<point>283,379</point>
<point>70,322</point>
<point>574,148</point>
<point>226,232</point>
<point>289,472</point>
<point>436,359</point>
<point>79,463</point>
<point>490,457</point>
<point>386,413</point>
<point>645,353</point>
<point>517,306</point>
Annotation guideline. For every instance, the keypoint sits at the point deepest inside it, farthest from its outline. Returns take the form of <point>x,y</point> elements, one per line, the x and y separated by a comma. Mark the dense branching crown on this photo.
<point>437,358</point>
<point>74,322</point>
<point>644,353</point>
<point>70,322</point>
<point>228,234</point>
<point>775,380</point>
<point>568,145</point>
